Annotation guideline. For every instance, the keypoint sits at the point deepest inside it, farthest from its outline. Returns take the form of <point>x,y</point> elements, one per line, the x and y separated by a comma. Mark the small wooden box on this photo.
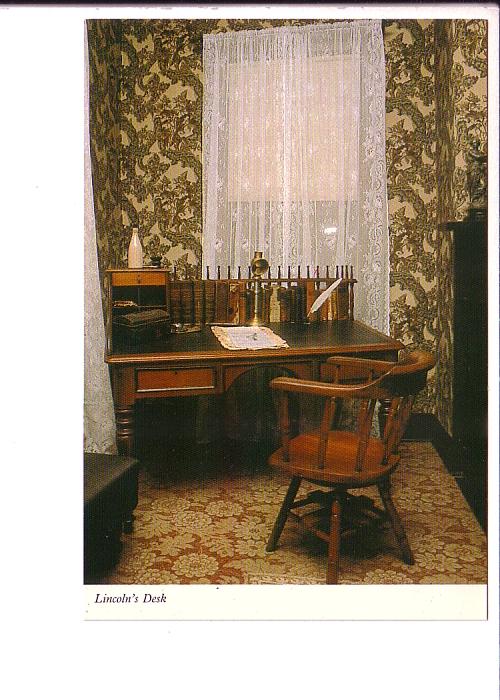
<point>141,326</point>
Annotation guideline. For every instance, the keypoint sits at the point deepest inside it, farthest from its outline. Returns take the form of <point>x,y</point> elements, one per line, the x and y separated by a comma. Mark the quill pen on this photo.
<point>324,296</point>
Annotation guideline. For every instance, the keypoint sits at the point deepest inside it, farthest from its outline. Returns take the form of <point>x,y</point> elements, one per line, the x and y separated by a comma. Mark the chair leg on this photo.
<point>384,488</point>
<point>332,573</point>
<point>283,514</point>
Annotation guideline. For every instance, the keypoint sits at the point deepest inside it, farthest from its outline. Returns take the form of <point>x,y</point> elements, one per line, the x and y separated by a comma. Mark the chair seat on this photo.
<point>340,460</point>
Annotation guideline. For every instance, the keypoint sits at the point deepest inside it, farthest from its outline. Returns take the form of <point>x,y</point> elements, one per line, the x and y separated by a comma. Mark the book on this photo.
<point>343,300</point>
<point>199,301</point>
<point>334,309</point>
<point>221,301</point>
<point>292,292</point>
<point>242,303</point>
<point>187,301</point>
<point>274,305</point>
<point>232,304</point>
<point>311,296</point>
<point>175,301</point>
<point>284,302</point>
<point>209,301</point>
<point>300,303</point>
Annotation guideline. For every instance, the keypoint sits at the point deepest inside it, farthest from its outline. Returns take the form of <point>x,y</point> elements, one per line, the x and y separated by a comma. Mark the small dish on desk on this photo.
<point>185,327</point>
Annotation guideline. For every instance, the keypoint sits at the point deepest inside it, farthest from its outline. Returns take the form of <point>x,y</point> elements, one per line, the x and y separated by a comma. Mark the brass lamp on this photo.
<point>259,267</point>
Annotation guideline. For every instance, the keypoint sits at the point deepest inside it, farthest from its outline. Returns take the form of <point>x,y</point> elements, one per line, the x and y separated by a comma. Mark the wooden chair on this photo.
<point>343,460</point>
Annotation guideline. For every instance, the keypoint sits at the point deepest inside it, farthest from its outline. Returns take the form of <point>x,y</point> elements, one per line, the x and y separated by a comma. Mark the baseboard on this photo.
<point>468,469</point>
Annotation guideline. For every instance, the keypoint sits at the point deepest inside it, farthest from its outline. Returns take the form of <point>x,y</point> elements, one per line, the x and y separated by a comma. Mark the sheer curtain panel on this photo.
<point>294,152</point>
<point>98,413</point>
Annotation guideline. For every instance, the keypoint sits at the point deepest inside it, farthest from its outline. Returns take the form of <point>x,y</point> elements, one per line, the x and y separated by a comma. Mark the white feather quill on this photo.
<point>324,296</point>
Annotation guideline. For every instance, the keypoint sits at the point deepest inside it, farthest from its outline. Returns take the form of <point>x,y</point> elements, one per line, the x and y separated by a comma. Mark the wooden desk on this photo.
<point>194,364</point>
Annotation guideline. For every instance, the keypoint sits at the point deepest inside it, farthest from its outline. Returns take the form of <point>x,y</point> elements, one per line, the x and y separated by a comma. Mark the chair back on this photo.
<point>398,383</point>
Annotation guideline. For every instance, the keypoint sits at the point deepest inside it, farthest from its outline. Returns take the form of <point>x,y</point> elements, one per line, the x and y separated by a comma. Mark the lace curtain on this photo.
<point>294,152</point>
<point>98,413</point>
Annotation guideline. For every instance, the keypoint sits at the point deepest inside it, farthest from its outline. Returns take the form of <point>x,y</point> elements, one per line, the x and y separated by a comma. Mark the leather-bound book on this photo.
<point>334,305</point>
<point>242,303</point>
<point>303,301</point>
<point>187,301</point>
<point>324,309</point>
<point>293,303</point>
<point>209,301</point>
<point>232,303</point>
<point>199,301</point>
<point>274,305</point>
<point>311,295</point>
<point>284,302</point>
<point>343,300</point>
<point>221,301</point>
<point>175,301</point>
<point>300,302</point>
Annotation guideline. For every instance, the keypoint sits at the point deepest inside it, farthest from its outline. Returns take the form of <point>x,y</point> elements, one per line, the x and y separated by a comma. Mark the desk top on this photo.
<point>317,338</point>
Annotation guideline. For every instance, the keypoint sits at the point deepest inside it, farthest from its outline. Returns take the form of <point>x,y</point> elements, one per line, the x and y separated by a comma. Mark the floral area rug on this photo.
<point>194,526</point>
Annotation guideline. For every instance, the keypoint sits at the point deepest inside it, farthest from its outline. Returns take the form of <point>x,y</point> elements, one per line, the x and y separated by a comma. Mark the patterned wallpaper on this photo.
<point>158,111</point>
<point>469,80</point>
<point>146,127</point>
<point>443,43</point>
<point>104,85</point>
<point>411,186</point>
<point>436,106</point>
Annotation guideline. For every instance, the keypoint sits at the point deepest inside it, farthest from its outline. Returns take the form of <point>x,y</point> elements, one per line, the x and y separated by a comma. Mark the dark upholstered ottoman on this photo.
<point>110,496</point>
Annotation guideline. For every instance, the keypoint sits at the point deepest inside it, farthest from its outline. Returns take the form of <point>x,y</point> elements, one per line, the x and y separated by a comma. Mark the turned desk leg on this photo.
<point>125,429</point>
<point>123,384</point>
<point>383,413</point>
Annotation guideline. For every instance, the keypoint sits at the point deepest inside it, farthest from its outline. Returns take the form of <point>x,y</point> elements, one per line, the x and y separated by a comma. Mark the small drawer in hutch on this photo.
<point>144,278</point>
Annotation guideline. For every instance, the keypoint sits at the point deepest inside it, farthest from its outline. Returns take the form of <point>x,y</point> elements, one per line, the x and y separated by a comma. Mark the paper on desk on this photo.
<point>324,296</point>
<point>248,338</point>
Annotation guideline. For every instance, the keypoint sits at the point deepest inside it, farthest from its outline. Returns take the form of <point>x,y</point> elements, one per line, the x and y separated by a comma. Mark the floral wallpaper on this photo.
<point>443,42</point>
<point>104,84</point>
<point>146,103</point>
<point>469,80</point>
<point>411,185</point>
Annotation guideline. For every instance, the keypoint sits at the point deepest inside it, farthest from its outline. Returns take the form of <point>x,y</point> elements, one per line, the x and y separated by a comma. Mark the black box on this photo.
<point>141,326</point>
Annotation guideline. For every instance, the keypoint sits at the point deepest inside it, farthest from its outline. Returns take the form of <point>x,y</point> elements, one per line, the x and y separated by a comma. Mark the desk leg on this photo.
<point>383,413</point>
<point>125,429</point>
<point>122,379</point>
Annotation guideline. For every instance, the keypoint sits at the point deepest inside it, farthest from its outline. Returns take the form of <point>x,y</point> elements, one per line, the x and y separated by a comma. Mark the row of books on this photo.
<point>203,301</point>
<point>296,300</point>
<point>230,301</point>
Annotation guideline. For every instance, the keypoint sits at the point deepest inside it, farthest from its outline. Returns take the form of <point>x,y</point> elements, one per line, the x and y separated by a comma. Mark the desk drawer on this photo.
<point>170,380</point>
<point>131,278</point>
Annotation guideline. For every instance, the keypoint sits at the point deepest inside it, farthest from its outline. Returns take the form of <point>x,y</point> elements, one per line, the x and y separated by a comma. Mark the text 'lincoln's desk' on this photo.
<point>193,364</point>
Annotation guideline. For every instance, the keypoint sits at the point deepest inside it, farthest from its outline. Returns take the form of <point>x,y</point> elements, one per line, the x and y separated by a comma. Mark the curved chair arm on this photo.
<point>301,386</point>
<point>415,361</point>
<point>361,363</point>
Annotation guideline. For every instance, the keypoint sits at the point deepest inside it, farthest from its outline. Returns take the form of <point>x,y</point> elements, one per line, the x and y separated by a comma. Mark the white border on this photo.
<point>44,602</point>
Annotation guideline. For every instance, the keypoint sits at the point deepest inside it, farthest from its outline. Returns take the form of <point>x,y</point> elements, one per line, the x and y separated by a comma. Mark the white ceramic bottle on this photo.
<point>135,250</point>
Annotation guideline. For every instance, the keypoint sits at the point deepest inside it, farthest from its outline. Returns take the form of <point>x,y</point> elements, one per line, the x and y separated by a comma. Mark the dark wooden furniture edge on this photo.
<point>462,465</point>
<point>110,497</point>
